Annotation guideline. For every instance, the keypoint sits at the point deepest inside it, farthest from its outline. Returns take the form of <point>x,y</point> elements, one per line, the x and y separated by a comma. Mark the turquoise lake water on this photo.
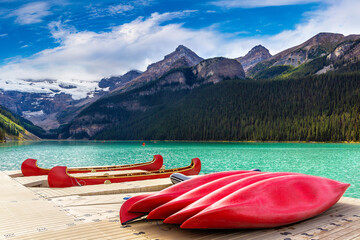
<point>336,161</point>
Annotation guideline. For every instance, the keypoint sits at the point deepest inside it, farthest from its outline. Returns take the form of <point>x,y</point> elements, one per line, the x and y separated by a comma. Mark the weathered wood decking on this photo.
<point>92,212</point>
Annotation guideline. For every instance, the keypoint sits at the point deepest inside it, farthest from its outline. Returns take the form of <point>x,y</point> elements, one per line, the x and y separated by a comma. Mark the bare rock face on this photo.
<point>181,57</point>
<point>321,44</point>
<point>256,54</point>
<point>316,46</point>
<point>118,81</point>
<point>216,69</point>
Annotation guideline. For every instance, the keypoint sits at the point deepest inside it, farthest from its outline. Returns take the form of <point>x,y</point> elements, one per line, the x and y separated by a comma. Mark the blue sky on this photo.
<point>25,30</point>
<point>84,41</point>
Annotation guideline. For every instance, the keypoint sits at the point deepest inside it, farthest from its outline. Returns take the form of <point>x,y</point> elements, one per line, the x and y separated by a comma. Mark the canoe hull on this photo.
<point>185,199</point>
<point>270,203</point>
<point>168,194</point>
<point>201,203</point>
<point>58,177</point>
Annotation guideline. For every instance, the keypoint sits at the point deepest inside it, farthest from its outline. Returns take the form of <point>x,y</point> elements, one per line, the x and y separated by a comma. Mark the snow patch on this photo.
<point>28,114</point>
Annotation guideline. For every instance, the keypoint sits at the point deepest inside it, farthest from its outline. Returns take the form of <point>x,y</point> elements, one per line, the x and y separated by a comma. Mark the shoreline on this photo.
<point>195,141</point>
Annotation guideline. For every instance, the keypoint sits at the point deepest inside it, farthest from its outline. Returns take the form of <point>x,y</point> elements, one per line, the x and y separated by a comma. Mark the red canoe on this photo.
<point>152,202</point>
<point>185,199</point>
<point>30,168</point>
<point>126,216</point>
<point>214,196</point>
<point>59,177</point>
<point>145,205</point>
<point>270,203</point>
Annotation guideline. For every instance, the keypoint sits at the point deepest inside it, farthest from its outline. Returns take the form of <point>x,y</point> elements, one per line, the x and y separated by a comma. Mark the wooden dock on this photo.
<point>28,211</point>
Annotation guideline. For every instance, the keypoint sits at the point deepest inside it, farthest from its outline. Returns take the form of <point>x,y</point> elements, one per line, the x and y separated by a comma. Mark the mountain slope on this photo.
<point>181,57</point>
<point>317,55</point>
<point>319,108</point>
<point>149,98</point>
<point>15,128</point>
<point>119,81</point>
<point>255,55</point>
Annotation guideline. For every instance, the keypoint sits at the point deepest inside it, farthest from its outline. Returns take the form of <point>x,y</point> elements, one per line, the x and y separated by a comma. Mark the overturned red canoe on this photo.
<point>185,199</point>
<point>270,203</point>
<point>30,168</point>
<point>126,216</point>
<point>59,177</point>
<point>196,206</point>
<point>145,205</point>
<point>152,202</point>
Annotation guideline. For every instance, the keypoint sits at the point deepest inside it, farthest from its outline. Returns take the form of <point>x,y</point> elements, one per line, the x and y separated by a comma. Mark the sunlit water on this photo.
<point>336,161</point>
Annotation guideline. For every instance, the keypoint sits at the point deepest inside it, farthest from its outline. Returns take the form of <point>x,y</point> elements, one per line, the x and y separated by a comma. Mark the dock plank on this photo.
<point>113,188</point>
<point>19,211</point>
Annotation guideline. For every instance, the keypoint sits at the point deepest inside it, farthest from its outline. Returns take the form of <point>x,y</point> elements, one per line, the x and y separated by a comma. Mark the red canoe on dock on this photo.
<point>30,168</point>
<point>58,176</point>
<point>141,205</point>
<point>270,203</point>
<point>258,200</point>
<point>201,203</point>
<point>185,199</point>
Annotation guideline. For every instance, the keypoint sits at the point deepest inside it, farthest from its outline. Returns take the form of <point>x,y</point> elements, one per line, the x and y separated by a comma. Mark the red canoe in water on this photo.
<point>58,176</point>
<point>143,205</point>
<point>30,168</point>
<point>270,203</point>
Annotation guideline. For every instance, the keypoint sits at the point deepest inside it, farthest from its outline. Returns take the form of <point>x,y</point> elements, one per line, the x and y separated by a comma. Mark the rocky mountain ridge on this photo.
<point>181,57</point>
<point>257,54</point>
<point>331,46</point>
<point>114,82</point>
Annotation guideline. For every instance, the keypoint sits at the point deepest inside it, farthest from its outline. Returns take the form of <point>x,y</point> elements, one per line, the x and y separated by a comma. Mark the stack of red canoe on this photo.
<point>238,199</point>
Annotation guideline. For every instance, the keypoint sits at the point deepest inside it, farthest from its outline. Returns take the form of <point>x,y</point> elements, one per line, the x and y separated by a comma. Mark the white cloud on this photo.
<point>83,58</point>
<point>3,35</point>
<point>98,10</point>
<point>259,3</point>
<point>339,17</point>
<point>120,8</point>
<point>31,13</point>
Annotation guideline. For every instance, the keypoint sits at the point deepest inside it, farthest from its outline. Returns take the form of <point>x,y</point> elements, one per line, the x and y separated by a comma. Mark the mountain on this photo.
<point>322,53</point>
<point>13,127</point>
<point>181,57</point>
<point>119,81</point>
<point>255,55</point>
<point>313,90</point>
<point>148,99</point>
<point>50,110</point>
<point>50,103</point>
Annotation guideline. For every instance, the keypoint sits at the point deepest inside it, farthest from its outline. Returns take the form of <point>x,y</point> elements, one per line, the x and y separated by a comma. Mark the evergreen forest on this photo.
<point>316,108</point>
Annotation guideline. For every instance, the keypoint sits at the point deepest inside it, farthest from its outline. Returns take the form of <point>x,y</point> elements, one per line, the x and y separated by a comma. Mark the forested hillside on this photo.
<point>317,108</point>
<point>13,127</point>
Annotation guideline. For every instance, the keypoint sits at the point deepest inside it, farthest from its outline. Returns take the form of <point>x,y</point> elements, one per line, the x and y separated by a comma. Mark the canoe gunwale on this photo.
<point>30,167</point>
<point>150,173</point>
